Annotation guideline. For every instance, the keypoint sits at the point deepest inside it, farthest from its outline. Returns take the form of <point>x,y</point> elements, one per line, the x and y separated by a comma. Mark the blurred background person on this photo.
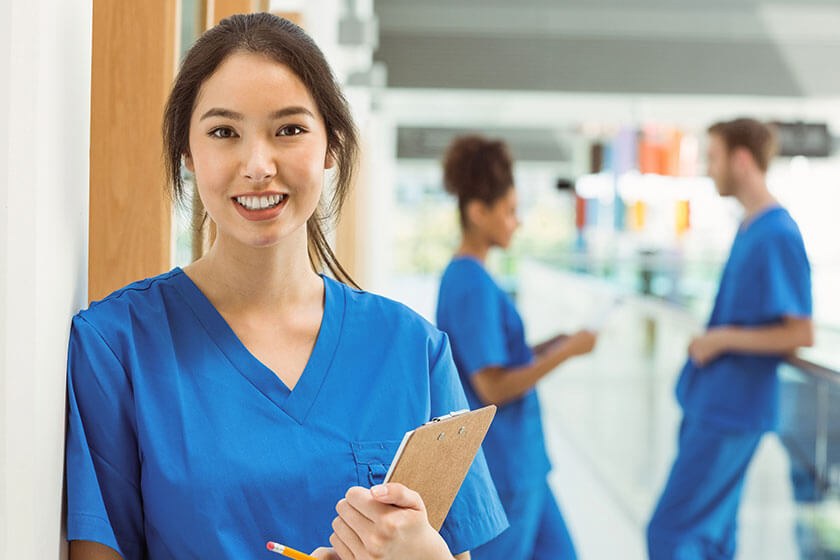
<point>728,389</point>
<point>493,358</point>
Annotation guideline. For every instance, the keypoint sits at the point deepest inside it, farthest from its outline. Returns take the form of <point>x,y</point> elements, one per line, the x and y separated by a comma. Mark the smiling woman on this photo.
<point>248,398</point>
<point>259,146</point>
<point>293,59</point>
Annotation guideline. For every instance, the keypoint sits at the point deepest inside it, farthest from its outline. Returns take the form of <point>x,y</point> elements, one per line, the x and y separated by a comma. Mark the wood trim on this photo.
<point>133,59</point>
<point>294,17</point>
<point>217,10</point>
<point>350,243</point>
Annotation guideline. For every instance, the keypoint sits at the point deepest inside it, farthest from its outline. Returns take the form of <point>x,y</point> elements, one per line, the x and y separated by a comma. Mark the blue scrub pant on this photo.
<point>697,513</point>
<point>536,532</point>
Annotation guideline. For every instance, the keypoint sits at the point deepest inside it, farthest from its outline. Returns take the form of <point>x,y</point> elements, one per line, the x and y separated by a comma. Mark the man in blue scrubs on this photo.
<point>728,388</point>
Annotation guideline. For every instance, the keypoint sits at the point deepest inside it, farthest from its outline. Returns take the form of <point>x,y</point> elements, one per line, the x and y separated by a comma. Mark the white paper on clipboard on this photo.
<point>597,322</point>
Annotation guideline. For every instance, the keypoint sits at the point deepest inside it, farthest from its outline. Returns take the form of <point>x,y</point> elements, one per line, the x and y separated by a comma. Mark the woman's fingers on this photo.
<point>381,521</point>
<point>398,495</point>
<point>343,551</point>
<point>323,553</point>
<point>349,537</point>
<point>360,524</point>
<point>363,501</point>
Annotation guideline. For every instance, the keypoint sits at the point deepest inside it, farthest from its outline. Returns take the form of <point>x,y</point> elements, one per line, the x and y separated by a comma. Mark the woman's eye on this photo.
<point>222,133</point>
<point>291,130</point>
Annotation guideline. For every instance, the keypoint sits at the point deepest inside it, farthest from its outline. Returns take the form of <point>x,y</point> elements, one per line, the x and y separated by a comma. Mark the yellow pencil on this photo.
<point>290,552</point>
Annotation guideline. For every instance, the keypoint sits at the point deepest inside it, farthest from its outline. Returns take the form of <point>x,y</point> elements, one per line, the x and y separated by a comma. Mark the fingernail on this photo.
<point>379,490</point>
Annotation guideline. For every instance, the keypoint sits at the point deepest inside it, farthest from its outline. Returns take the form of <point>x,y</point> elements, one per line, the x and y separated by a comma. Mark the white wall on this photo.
<point>45,53</point>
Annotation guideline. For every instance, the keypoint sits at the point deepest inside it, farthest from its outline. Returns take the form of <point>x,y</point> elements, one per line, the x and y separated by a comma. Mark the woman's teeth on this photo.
<point>260,202</point>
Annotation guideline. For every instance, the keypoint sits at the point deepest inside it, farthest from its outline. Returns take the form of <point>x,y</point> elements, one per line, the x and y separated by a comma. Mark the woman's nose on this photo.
<point>259,165</point>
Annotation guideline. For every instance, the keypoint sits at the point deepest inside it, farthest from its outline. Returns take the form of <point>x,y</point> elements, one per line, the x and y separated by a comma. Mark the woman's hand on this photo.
<point>582,342</point>
<point>324,554</point>
<point>387,522</point>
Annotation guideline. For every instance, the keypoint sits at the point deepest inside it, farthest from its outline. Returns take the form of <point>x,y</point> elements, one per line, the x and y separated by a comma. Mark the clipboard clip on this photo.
<point>448,416</point>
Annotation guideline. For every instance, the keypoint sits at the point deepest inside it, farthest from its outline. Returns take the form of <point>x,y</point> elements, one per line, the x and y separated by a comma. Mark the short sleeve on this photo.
<point>786,280</point>
<point>103,468</point>
<point>476,515</point>
<point>477,326</point>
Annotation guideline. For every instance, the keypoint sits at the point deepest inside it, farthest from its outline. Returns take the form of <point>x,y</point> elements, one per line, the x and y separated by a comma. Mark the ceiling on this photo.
<point>783,48</point>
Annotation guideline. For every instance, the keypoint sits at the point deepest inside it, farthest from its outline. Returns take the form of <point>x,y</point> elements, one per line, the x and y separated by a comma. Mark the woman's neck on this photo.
<point>244,278</point>
<point>473,246</point>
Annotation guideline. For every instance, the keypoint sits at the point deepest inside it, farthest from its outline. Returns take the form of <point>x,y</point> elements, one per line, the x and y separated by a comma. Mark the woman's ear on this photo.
<point>329,160</point>
<point>188,163</point>
<point>476,210</point>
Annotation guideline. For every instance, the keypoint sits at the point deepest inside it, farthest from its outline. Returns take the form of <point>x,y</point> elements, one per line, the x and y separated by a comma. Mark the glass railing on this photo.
<point>810,433</point>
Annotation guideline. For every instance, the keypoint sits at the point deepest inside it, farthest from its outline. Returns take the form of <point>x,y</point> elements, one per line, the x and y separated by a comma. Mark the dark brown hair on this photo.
<point>758,138</point>
<point>477,168</point>
<point>284,42</point>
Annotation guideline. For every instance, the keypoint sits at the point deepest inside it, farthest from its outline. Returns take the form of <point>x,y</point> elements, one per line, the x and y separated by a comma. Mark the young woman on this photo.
<point>496,364</point>
<point>247,397</point>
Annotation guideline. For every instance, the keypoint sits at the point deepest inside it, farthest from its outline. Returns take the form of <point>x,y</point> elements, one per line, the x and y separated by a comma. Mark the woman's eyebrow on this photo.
<point>233,115</point>
<point>295,110</point>
<point>226,113</point>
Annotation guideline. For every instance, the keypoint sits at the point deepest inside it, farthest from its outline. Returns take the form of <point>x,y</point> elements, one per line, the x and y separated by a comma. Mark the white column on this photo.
<point>45,53</point>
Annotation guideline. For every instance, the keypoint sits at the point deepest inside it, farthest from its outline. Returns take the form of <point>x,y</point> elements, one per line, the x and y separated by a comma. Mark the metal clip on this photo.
<point>448,416</point>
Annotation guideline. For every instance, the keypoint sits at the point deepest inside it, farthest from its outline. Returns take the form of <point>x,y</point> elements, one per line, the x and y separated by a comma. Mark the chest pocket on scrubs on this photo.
<point>373,458</point>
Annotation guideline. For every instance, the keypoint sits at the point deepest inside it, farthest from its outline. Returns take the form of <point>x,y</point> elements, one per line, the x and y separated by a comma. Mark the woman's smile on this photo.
<point>259,207</point>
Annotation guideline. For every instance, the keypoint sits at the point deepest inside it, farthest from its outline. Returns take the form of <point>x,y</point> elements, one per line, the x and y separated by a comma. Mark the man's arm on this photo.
<point>781,339</point>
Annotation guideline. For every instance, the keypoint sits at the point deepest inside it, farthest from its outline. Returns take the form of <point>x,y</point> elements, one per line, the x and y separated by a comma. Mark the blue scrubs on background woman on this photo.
<point>181,444</point>
<point>494,360</point>
<point>486,330</point>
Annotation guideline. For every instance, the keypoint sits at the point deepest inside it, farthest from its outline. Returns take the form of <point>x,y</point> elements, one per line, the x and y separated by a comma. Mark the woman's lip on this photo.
<point>258,194</point>
<point>261,214</point>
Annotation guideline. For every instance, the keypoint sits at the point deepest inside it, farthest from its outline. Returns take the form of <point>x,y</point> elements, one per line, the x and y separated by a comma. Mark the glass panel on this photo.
<point>193,18</point>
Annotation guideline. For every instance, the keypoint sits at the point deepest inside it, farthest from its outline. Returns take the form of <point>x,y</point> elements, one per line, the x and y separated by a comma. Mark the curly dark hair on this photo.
<point>477,168</point>
<point>284,42</point>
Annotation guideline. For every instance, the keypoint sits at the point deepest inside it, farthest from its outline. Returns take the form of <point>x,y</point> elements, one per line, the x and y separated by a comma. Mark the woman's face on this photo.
<point>258,148</point>
<point>498,221</point>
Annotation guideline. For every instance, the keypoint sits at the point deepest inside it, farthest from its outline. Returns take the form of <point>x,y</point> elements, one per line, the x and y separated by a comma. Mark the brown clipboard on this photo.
<point>434,459</point>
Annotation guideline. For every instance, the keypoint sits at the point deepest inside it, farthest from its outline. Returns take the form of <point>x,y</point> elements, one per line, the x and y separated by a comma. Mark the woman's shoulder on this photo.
<point>127,304</point>
<point>465,277</point>
<point>381,312</point>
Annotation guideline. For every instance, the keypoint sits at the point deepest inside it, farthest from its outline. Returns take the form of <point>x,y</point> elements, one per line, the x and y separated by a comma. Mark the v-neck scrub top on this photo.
<point>766,278</point>
<point>486,330</point>
<point>182,444</point>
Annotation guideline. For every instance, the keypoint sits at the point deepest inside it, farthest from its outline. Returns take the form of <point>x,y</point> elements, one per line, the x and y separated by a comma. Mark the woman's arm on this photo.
<point>89,550</point>
<point>543,346</point>
<point>497,385</point>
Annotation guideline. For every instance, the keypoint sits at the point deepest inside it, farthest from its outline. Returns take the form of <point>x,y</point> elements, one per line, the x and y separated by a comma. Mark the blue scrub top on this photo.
<point>486,331</point>
<point>181,444</point>
<point>766,278</point>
